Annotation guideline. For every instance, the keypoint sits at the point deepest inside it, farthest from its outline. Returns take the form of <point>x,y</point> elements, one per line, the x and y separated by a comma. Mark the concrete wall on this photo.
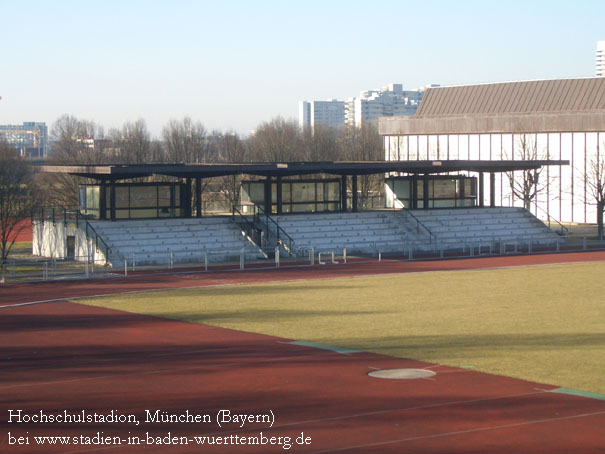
<point>493,124</point>
<point>50,240</point>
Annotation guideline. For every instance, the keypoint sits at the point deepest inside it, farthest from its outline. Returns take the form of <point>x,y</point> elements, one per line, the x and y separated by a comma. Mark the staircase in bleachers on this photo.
<point>151,242</point>
<point>363,232</point>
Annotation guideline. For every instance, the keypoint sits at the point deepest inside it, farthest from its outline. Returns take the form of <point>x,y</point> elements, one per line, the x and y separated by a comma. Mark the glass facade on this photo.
<point>298,196</point>
<point>443,192</point>
<point>132,201</point>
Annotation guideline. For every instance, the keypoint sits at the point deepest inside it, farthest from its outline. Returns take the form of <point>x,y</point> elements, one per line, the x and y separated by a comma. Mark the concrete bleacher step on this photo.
<point>364,233</point>
<point>399,230</point>
<point>152,241</point>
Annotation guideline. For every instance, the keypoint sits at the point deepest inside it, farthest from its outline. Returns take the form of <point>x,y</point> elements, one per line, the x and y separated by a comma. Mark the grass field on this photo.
<point>542,323</point>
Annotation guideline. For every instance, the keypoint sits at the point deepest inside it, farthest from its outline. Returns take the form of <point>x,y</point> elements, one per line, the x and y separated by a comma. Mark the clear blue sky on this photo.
<point>233,64</point>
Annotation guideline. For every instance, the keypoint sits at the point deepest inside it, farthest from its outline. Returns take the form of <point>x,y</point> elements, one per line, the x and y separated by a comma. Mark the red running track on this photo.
<point>64,357</point>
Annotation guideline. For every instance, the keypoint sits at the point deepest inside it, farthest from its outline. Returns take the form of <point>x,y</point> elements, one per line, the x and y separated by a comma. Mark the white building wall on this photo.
<point>566,196</point>
<point>50,240</point>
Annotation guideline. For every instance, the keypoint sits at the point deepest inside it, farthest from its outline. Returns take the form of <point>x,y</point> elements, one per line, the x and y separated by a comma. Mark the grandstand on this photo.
<point>161,223</point>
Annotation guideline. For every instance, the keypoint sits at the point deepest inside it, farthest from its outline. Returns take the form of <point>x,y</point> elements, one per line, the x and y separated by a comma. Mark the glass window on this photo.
<point>122,197</point>
<point>164,196</point>
<point>273,192</point>
<point>444,203</point>
<point>420,188</point>
<point>257,192</point>
<point>82,198</point>
<point>469,187</point>
<point>92,197</point>
<point>444,189</point>
<point>177,196</point>
<point>303,207</point>
<point>122,214</point>
<point>319,191</point>
<point>303,192</point>
<point>143,196</point>
<point>332,191</point>
<point>286,192</point>
<point>402,189</point>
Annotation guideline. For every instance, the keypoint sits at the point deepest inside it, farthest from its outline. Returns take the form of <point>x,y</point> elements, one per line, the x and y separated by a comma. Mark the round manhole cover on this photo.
<point>402,374</point>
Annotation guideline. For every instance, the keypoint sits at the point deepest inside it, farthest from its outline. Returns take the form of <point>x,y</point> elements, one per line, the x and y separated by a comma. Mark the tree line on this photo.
<point>77,141</point>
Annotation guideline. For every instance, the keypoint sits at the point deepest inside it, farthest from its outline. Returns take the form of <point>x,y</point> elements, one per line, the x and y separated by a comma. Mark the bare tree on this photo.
<point>15,197</point>
<point>595,183</point>
<point>321,143</point>
<point>277,140</point>
<point>75,142</point>
<point>526,185</point>
<point>187,142</point>
<point>231,149</point>
<point>132,143</point>
<point>364,144</point>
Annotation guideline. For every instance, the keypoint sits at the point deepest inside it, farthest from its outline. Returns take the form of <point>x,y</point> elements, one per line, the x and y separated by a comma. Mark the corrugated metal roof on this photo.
<point>561,95</point>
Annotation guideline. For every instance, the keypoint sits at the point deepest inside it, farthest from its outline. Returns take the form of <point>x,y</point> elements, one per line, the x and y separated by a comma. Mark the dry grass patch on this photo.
<point>542,323</point>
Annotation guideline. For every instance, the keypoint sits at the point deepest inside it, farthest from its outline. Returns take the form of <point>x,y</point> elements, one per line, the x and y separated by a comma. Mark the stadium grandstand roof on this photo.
<point>277,169</point>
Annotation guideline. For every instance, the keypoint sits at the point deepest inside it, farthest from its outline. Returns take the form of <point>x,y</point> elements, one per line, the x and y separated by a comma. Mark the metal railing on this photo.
<point>563,231</point>
<point>91,233</point>
<point>248,227</point>
<point>419,224</point>
<point>273,229</point>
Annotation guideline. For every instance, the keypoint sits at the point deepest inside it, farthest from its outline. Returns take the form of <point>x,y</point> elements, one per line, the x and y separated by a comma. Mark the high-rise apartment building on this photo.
<point>388,101</point>
<point>330,113</point>
<point>600,59</point>
<point>29,139</point>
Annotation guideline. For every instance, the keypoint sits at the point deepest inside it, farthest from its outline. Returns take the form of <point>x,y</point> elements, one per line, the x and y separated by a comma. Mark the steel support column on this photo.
<point>102,200</point>
<point>355,197</point>
<point>268,196</point>
<point>492,189</point>
<point>425,192</point>
<point>414,192</point>
<point>198,197</point>
<point>279,195</point>
<point>188,201</point>
<point>112,201</point>
<point>481,190</point>
<point>343,194</point>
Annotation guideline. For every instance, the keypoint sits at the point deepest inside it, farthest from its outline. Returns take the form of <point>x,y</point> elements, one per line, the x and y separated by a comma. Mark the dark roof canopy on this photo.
<point>122,172</point>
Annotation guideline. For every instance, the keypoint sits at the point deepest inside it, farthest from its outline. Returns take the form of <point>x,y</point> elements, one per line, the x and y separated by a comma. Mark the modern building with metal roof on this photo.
<point>560,119</point>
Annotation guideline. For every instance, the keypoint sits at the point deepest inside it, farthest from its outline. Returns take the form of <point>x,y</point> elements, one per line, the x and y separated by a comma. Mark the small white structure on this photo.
<point>65,240</point>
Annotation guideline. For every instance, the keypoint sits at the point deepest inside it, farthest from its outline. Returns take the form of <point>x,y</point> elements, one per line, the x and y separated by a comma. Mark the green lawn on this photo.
<point>543,323</point>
